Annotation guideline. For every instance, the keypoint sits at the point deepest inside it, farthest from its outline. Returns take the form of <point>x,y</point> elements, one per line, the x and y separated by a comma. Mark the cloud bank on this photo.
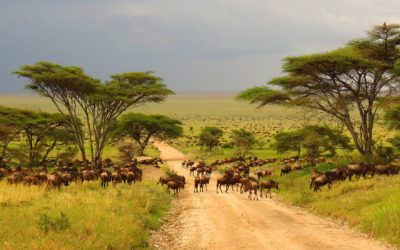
<point>194,45</point>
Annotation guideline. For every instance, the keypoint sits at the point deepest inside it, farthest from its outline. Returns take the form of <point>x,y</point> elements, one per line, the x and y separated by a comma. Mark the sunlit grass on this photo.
<point>80,216</point>
<point>372,205</point>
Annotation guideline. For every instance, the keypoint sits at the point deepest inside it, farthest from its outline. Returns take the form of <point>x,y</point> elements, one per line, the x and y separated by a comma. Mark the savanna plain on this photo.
<point>121,217</point>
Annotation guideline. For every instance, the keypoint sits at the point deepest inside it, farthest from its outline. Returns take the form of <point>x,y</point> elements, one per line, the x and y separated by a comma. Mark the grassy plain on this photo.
<point>80,216</point>
<point>371,205</point>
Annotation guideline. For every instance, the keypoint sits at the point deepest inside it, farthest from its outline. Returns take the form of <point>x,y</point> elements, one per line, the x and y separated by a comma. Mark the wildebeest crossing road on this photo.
<point>230,221</point>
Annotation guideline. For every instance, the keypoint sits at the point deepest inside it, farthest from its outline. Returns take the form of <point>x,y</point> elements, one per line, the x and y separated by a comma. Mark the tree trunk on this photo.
<point>90,134</point>
<point>47,153</point>
<point>142,148</point>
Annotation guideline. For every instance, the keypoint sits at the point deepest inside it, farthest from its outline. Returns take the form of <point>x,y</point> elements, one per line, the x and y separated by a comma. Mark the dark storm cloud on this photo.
<point>192,44</point>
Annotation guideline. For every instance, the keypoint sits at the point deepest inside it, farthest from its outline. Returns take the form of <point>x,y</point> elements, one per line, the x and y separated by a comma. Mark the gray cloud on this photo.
<point>192,44</point>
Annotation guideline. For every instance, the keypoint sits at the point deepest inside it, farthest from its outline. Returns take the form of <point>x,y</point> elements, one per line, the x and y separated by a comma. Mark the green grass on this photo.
<point>80,217</point>
<point>151,151</point>
<point>370,205</point>
<point>221,153</point>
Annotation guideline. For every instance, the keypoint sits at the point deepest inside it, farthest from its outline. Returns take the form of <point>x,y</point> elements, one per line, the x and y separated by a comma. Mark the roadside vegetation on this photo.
<point>80,216</point>
<point>65,182</point>
<point>372,205</point>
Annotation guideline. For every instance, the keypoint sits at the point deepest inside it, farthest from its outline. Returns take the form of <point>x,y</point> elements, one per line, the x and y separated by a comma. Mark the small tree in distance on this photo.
<point>141,128</point>
<point>243,140</point>
<point>210,137</point>
<point>128,150</point>
<point>288,141</point>
<point>314,139</point>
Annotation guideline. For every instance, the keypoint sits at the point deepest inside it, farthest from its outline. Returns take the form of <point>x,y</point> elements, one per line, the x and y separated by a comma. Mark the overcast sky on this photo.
<point>193,44</point>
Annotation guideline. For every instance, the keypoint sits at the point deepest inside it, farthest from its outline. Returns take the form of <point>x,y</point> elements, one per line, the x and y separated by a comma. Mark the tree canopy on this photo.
<point>243,140</point>
<point>74,93</point>
<point>210,137</point>
<point>142,128</point>
<point>392,117</point>
<point>41,131</point>
<point>314,139</point>
<point>349,83</point>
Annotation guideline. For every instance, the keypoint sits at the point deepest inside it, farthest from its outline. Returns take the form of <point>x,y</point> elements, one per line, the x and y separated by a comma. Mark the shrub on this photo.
<point>47,223</point>
<point>169,172</point>
<point>384,154</point>
<point>128,150</point>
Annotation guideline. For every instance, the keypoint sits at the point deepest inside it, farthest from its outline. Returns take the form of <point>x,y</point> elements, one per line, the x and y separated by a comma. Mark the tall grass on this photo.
<point>80,216</point>
<point>370,205</point>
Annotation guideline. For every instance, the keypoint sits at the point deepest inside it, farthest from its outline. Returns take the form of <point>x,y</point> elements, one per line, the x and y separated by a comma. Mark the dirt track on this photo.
<point>230,221</point>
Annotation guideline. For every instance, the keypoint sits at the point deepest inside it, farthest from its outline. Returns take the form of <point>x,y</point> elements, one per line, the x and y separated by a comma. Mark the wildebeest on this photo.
<point>175,185</point>
<point>261,174</point>
<point>165,179</point>
<point>323,179</point>
<point>54,181</point>
<point>116,178</point>
<point>285,170</point>
<point>130,177</point>
<point>227,180</point>
<point>30,180</point>
<point>187,163</point>
<point>297,167</point>
<point>244,180</point>
<point>268,185</point>
<point>223,181</point>
<point>386,169</point>
<point>192,169</point>
<point>200,183</point>
<point>15,178</point>
<point>105,178</point>
<point>360,170</point>
<point>251,187</point>
<point>314,175</point>
<point>339,174</point>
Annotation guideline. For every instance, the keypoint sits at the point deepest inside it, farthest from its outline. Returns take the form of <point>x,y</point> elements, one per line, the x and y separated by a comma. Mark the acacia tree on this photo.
<point>44,132</point>
<point>392,117</point>
<point>41,131</point>
<point>349,84</point>
<point>243,140</point>
<point>11,126</point>
<point>141,128</point>
<point>6,137</point>
<point>74,93</point>
<point>210,137</point>
<point>288,141</point>
<point>68,88</point>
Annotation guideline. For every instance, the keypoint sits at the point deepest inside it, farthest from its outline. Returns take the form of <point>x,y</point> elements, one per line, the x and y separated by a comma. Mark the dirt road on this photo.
<point>230,221</point>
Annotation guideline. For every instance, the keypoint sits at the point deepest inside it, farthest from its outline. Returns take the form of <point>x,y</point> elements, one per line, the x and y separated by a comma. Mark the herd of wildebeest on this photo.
<point>237,176</point>
<point>242,174</point>
<point>63,173</point>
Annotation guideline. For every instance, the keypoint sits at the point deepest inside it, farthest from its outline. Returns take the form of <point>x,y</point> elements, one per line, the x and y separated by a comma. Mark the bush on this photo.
<point>384,154</point>
<point>68,154</point>
<point>169,172</point>
<point>128,150</point>
<point>47,223</point>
